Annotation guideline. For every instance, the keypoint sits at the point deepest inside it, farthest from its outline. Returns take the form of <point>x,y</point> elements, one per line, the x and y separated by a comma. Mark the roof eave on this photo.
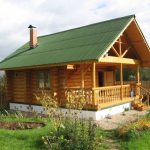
<point>49,65</point>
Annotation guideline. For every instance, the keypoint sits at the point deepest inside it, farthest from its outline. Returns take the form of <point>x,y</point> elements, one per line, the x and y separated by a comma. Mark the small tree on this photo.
<point>69,131</point>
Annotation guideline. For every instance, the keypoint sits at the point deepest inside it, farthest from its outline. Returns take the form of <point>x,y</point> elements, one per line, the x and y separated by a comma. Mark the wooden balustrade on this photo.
<point>77,92</point>
<point>145,93</point>
<point>102,95</point>
<point>111,93</point>
<point>126,90</point>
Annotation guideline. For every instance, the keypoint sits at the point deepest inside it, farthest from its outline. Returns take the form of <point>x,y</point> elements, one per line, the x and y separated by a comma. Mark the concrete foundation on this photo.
<point>95,115</point>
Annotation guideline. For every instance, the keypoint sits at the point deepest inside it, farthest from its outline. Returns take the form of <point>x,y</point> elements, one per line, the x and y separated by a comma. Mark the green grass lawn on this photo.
<point>140,143</point>
<point>138,135</point>
<point>29,139</point>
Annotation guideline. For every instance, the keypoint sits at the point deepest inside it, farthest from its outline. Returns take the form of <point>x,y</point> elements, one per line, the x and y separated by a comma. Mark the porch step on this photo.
<point>138,105</point>
<point>143,108</point>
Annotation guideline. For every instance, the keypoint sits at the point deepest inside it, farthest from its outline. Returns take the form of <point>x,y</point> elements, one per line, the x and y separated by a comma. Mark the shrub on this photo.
<point>134,129</point>
<point>69,133</point>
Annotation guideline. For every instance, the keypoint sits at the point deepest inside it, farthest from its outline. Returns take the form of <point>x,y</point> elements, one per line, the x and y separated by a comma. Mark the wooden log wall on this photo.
<point>108,75</point>
<point>57,83</point>
<point>3,99</point>
<point>88,76</point>
<point>19,86</point>
<point>74,79</point>
<point>22,86</point>
<point>53,76</point>
<point>9,85</point>
<point>61,84</point>
<point>28,87</point>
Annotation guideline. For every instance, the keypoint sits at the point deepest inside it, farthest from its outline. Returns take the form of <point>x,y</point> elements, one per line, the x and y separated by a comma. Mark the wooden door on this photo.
<point>108,78</point>
<point>100,78</point>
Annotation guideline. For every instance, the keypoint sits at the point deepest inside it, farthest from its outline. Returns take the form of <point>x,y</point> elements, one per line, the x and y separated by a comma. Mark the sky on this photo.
<point>50,16</point>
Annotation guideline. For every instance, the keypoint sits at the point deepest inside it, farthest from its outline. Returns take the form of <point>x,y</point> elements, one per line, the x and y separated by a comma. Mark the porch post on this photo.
<point>137,91</point>
<point>94,73</point>
<point>82,76</point>
<point>138,73</point>
<point>93,80</point>
<point>121,80</point>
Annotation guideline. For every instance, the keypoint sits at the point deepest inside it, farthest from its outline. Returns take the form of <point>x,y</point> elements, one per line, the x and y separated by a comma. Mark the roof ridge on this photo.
<point>118,18</point>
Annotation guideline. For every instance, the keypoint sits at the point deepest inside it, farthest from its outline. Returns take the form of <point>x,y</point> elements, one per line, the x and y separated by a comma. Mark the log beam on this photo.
<point>121,80</point>
<point>93,81</point>
<point>146,64</point>
<point>125,52</point>
<point>115,51</point>
<point>120,48</point>
<point>82,75</point>
<point>94,74</point>
<point>112,59</point>
<point>137,74</point>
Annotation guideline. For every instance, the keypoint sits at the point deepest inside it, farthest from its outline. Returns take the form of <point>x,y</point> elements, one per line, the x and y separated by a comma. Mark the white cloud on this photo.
<point>52,16</point>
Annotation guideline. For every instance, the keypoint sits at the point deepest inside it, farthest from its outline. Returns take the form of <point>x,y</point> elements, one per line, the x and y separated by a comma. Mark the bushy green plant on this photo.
<point>69,131</point>
<point>134,129</point>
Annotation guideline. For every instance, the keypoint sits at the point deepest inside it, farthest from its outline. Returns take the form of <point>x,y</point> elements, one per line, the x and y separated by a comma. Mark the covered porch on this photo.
<point>105,91</point>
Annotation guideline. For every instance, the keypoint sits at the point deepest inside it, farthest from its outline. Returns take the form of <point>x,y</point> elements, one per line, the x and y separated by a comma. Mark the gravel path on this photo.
<point>120,119</point>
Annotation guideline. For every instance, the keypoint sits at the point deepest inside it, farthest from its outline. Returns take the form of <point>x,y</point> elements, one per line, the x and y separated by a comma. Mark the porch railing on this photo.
<point>145,94</point>
<point>100,95</point>
<point>76,92</point>
<point>111,93</point>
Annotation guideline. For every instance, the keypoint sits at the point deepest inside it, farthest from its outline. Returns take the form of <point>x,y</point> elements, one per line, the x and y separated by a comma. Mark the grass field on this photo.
<point>30,139</point>
<point>141,143</point>
<point>23,139</point>
<point>138,135</point>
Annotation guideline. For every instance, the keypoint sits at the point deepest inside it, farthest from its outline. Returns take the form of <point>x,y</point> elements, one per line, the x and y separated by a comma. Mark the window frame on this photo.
<point>46,80</point>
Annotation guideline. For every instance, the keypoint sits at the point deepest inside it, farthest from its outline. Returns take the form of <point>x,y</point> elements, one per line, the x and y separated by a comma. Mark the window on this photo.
<point>44,80</point>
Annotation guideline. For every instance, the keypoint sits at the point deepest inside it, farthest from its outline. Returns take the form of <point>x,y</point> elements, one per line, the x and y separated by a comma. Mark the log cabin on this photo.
<point>84,58</point>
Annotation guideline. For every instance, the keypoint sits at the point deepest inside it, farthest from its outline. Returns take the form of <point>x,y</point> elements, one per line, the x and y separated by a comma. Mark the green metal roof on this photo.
<point>80,44</point>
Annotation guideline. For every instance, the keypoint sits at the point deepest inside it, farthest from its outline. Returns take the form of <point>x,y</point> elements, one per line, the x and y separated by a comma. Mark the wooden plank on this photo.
<point>125,52</point>
<point>138,74</point>
<point>49,65</point>
<point>146,64</point>
<point>115,51</point>
<point>121,80</point>
<point>120,48</point>
<point>94,81</point>
<point>112,59</point>
<point>131,45</point>
<point>94,74</point>
<point>118,102</point>
<point>82,75</point>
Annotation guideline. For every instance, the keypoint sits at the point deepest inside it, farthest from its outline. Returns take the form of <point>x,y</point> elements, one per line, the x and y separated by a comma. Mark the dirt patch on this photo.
<point>20,125</point>
<point>120,119</point>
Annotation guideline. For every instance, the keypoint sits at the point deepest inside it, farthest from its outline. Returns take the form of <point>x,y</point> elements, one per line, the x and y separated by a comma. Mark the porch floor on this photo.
<point>114,103</point>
